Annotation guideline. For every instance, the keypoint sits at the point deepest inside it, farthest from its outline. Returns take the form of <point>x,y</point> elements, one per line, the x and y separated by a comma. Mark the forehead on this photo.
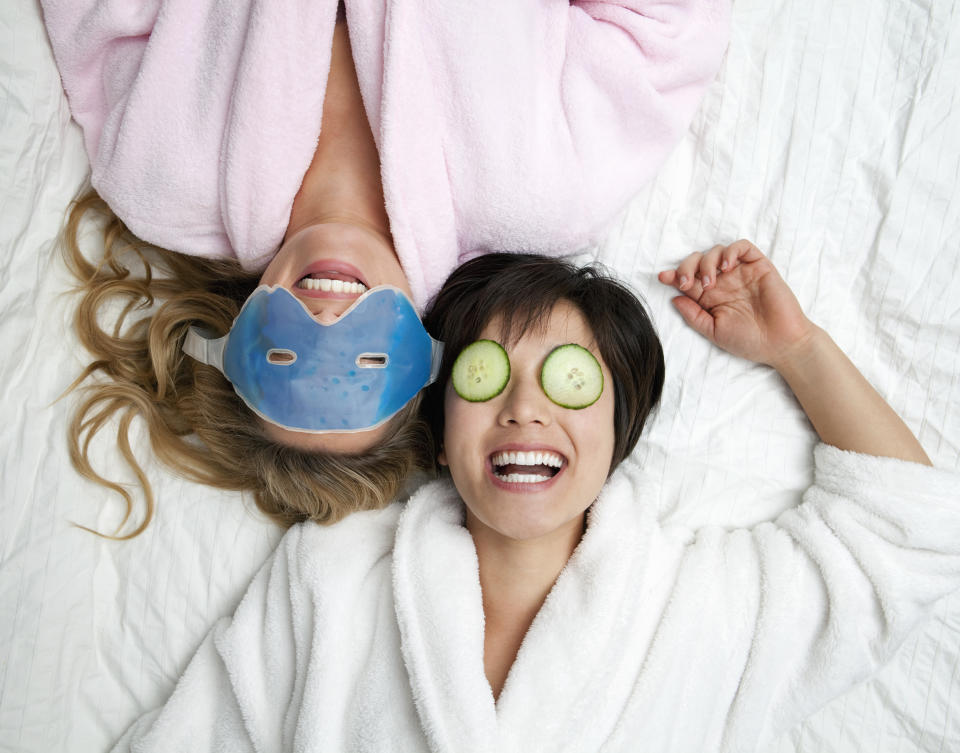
<point>564,323</point>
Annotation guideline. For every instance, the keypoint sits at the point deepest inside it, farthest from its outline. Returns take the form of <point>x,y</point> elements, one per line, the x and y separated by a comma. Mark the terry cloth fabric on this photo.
<point>500,125</point>
<point>368,635</point>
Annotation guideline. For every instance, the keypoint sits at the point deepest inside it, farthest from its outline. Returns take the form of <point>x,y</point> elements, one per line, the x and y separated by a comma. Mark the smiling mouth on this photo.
<point>531,467</point>
<point>332,282</point>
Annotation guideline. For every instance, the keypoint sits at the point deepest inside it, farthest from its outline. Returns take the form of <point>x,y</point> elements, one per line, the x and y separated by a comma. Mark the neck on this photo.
<point>521,573</point>
<point>343,181</point>
<point>515,578</point>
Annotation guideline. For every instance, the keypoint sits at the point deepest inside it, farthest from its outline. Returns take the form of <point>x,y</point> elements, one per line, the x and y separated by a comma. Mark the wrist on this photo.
<point>794,358</point>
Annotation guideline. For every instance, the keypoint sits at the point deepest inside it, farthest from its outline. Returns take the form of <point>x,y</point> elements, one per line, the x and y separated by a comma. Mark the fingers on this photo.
<point>668,277</point>
<point>710,266</point>
<point>730,256</point>
<point>689,277</point>
<point>695,316</point>
<point>688,271</point>
<point>699,271</point>
<point>743,252</point>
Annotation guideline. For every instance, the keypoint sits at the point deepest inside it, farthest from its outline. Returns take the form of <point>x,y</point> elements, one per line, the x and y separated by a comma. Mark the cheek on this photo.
<point>465,429</point>
<point>270,274</point>
<point>456,429</point>
<point>279,265</point>
<point>394,275</point>
<point>598,437</point>
<point>597,431</point>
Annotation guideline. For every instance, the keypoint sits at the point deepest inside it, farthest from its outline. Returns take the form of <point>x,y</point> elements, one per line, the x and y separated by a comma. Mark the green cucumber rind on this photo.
<point>550,363</point>
<point>456,373</point>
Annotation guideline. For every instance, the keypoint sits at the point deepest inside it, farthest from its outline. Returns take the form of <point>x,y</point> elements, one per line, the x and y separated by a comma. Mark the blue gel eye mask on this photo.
<point>306,376</point>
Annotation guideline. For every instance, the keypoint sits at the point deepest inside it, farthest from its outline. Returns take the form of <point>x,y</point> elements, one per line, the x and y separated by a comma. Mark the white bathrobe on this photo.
<point>368,635</point>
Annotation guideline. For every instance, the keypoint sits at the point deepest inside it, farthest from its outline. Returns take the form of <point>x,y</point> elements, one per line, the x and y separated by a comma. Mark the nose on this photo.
<point>524,402</point>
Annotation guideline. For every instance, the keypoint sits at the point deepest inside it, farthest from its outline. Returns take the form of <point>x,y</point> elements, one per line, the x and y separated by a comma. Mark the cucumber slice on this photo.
<point>572,377</point>
<point>481,371</point>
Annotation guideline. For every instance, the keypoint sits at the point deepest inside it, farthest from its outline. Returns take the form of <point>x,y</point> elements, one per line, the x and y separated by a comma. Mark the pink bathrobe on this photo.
<point>501,125</point>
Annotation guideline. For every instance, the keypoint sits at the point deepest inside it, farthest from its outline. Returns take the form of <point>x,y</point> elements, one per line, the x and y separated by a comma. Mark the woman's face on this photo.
<point>480,439</point>
<point>341,260</point>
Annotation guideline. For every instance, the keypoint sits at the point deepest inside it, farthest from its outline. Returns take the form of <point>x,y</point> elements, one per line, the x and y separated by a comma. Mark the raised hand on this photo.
<point>734,296</point>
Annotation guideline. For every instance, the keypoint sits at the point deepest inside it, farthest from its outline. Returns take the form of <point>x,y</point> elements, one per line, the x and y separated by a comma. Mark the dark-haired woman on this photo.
<point>532,601</point>
<point>331,150</point>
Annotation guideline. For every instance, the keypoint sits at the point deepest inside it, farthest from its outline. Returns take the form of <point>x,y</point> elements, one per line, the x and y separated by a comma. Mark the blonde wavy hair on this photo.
<point>197,424</point>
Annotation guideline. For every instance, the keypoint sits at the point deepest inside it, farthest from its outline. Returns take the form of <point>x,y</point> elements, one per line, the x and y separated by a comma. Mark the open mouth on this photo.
<point>329,281</point>
<point>531,467</point>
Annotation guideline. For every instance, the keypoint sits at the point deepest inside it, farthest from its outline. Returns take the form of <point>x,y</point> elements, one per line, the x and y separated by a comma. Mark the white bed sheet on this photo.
<point>831,138</point>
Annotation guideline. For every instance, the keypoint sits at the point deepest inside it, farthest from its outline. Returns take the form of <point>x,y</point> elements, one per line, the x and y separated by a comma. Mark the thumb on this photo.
<point>695,316</point>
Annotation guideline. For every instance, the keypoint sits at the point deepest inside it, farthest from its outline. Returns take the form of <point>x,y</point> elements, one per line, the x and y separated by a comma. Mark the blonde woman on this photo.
<point>331,150</point>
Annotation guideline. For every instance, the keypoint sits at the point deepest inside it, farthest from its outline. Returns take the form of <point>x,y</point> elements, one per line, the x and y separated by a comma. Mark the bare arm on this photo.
<point>845,409</point>
<point>734,296</point>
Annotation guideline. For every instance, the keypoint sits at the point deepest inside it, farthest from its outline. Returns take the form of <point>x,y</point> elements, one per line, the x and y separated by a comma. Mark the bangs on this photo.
<point>514,318</point>
<point>519,290</point>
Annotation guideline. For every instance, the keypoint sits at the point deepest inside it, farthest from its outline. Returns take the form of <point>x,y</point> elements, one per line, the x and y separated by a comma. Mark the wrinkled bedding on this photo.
<point>831,138</point>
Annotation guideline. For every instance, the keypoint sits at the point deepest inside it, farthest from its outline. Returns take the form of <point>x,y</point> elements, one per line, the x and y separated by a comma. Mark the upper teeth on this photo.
<point>333,286</point>
<point>527,458</point>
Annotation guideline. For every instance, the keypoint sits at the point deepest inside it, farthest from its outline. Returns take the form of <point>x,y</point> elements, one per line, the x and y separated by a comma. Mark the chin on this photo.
<point>532,527</point>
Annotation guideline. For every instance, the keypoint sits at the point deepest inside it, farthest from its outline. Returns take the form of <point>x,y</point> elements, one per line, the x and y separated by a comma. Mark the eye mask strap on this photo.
<point>436,358</point>
<point>205,348</point>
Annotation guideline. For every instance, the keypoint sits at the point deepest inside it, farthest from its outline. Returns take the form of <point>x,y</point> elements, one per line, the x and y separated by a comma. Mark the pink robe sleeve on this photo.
<point>194,141</point>
<point>528,126</point>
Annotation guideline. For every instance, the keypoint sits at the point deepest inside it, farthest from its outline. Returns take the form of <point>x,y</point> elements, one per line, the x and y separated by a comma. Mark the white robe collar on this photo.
<point>579,661</point>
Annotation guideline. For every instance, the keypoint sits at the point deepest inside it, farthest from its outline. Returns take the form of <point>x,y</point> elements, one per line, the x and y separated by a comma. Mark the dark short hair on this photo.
<point>522,290</point>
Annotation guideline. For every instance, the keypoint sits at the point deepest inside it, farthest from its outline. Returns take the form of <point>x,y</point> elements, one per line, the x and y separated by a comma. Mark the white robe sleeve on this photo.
<point>843,578</point>
<point>241,690</point>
